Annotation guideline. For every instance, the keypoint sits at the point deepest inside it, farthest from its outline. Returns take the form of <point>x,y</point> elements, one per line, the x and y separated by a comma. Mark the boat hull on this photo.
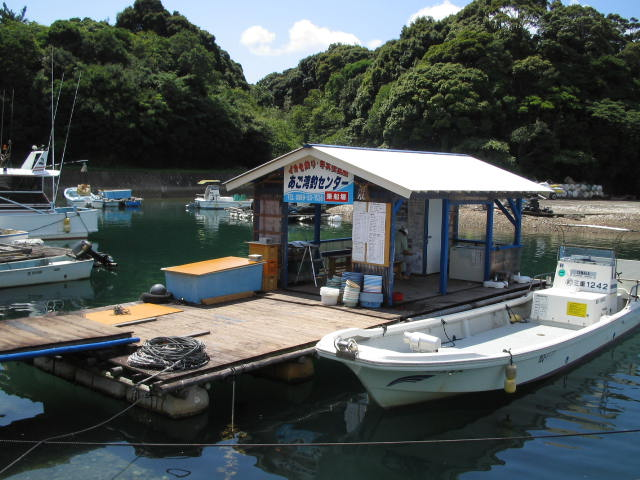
<point>222,204</point>
<point>44,270</point>
<point>50,224</point>
<point>393,384</point>
<point>74,199</point>
<point>11,235</point>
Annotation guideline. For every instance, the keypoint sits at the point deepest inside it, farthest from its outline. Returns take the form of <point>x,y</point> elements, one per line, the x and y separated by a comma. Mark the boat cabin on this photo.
<point>29,187</point>
<point>386,191</point>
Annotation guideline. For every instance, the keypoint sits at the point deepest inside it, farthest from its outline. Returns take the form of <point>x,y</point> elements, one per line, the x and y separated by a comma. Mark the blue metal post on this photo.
<point>425,242</point>
<point>444,248</point>
<point>317,218</point>
<point>284,235</point>
<point>517,235</point>
<point>488,247</point>
<point>392,250</point>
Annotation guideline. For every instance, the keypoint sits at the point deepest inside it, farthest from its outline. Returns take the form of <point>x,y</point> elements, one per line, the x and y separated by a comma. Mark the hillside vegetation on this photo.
<point>539,88</point>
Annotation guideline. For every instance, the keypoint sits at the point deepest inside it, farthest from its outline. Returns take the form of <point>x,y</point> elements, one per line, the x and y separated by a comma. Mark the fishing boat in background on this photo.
<point>212,200</point>
<point>592,302</point>
<point>27,202</point>
<point>79,196</point>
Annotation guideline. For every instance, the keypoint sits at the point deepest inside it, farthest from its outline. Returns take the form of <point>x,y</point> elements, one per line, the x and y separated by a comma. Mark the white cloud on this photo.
<point>304,36</point>
<point>257,39</point>
<point>373,44</point>
<point>438,12</point>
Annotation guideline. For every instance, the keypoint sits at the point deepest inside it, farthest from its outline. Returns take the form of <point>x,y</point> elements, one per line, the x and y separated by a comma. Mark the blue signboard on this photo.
<point>317,181</point>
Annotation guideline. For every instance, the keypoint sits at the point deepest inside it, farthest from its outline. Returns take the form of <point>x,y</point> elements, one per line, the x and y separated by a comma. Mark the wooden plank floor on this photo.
<point>245,330</point>
<point>238,335</point>
<point>35,333</point>
<point>277,323</point>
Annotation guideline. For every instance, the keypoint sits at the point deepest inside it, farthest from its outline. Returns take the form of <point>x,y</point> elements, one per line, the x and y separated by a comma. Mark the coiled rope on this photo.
<point>170,354</point>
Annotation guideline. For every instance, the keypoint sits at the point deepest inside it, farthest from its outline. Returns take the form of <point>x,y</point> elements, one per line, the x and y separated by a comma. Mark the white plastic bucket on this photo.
<point>329,296</point>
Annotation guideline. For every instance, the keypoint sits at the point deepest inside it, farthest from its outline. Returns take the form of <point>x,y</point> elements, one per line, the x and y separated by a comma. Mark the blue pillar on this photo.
<point>517,235</point>
<point>317,218</point>
<point>392,249</point>
<point>444,248</point>
<point>488,246</point>
<point>284,245</point>
<point>425,242</point>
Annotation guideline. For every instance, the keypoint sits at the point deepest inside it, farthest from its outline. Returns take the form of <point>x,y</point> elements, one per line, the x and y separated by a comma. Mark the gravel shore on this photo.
<point>611,213</point>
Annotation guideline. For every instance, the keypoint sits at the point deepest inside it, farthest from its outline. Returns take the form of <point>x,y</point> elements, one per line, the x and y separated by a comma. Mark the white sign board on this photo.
<point>370,233</point>
<point>317,181</point>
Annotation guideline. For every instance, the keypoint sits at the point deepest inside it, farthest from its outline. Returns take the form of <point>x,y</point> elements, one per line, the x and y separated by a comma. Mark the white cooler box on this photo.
<point>574,308</point>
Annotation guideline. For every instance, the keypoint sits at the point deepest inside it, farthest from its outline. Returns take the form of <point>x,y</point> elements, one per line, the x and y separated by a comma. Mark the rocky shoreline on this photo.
<point>610,213</point>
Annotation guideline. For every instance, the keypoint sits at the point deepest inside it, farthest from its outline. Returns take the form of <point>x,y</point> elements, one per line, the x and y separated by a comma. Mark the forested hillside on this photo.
<point>534,86</point>
<point>154,91</point>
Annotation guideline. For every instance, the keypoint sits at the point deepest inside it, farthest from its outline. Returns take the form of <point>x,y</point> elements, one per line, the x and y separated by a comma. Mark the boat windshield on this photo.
<point>597,256</point>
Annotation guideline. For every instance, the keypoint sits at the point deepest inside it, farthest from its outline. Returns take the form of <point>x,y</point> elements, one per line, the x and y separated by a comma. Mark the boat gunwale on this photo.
<point>428,361</point>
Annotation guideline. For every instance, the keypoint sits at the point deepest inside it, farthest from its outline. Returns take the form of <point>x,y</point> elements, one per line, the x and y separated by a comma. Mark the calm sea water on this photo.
<point>484,436</point>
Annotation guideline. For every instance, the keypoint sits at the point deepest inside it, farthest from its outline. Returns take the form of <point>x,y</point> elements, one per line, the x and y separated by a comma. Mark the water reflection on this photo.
<point>118,217</point>
<point>45,298</point>
<point>590,398</point>
<point>599,396</point>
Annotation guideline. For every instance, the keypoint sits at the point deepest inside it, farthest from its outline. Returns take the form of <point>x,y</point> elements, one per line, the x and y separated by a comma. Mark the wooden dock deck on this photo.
<point>250,333</point>
<point>239,336</point>
<point>38,333</point>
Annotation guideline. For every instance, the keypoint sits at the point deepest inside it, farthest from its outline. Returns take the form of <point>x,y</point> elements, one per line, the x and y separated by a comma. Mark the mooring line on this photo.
<point>326,444</point>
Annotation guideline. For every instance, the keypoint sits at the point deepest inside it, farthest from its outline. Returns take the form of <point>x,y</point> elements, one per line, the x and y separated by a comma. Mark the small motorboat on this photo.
<point>33,265</point>
<point>593,302</point>
<point>79,196</point>
<point>212,200</point>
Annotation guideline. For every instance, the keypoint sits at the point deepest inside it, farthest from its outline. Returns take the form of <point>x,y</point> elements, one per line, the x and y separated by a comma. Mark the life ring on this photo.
<point>156,298</point>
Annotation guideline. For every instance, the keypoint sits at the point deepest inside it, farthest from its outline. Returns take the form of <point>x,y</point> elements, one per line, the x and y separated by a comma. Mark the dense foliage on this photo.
<point>534,86</point>
<point>153,91</point>
<point>540,88</point>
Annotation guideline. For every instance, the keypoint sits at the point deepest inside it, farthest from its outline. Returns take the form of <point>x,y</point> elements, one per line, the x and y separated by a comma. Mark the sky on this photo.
<point>272,36</point>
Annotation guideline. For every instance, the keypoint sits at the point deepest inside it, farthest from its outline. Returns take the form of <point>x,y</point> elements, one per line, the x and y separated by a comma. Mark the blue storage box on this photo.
<point>116,194</point>
<point>200,281</point>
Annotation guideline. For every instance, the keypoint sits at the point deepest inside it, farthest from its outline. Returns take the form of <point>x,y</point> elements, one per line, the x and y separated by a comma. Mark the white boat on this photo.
<point>27,202</point>
<point>497,346</point>
<point>212,200</point>
<point>79,196</point>
<point>21,267</point>
<point>10,235</point>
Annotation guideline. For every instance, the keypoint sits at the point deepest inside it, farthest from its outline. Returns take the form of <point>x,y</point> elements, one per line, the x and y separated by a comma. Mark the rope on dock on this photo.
<point>170,354</point>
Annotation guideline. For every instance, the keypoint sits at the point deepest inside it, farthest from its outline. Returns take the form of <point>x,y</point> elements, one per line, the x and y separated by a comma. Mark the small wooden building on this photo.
<point>389,188</point>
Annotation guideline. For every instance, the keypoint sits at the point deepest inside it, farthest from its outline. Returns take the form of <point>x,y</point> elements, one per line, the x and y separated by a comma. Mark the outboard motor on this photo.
<point>84,249</point>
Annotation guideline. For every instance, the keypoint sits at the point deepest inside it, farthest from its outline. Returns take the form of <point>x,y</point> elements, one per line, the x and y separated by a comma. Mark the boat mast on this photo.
<point>5,152</point>
<point>51,147</point>
<point>66,138</point>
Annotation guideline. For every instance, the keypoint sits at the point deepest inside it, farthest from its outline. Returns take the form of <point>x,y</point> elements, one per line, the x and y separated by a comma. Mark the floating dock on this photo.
<point>264,331</point>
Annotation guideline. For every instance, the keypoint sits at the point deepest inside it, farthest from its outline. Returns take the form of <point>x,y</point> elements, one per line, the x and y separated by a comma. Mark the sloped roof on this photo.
<point>405,172</point>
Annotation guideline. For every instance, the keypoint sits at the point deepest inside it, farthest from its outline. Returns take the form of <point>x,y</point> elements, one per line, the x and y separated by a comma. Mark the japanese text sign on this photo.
<point>317,181</point>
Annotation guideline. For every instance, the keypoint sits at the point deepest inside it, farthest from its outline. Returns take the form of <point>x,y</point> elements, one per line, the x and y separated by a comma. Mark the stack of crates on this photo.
<point>270,255</point>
